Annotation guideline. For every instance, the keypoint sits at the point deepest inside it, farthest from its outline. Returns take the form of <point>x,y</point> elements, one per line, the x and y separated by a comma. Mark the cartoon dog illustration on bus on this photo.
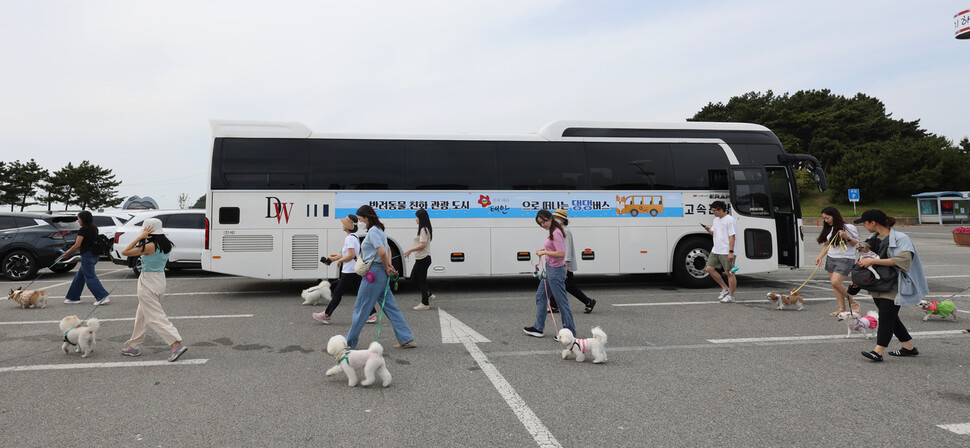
<point>636,204</point>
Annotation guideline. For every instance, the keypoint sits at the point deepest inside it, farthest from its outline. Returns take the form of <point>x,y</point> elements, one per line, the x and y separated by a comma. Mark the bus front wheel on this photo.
<point>634,212</point>
<point>690,260</point>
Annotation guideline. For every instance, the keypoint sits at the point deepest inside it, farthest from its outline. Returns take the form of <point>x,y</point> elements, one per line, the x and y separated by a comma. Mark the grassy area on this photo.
<point>813,204</point>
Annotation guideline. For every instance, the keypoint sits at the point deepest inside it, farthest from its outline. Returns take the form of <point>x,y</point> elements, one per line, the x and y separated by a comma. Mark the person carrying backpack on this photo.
<point>85,274</point>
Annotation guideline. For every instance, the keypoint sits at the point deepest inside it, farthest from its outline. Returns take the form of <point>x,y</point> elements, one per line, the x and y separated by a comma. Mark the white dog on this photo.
<point>858,322</point>
<point>80,337</point>
<point>942,309</point>
<point>317,295</point>
<point>595,345</point>
<point>372,360</point>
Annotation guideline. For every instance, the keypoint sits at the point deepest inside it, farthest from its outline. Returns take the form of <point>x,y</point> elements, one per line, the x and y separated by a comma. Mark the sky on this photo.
<point>131,86</point>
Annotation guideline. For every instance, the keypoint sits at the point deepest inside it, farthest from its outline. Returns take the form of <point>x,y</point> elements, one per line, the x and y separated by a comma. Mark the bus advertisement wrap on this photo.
<point>513,204</point>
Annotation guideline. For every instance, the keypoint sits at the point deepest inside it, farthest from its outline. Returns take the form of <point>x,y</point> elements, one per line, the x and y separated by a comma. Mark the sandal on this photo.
<point>905,352</point>
<point>589,308</point>
<point>836,313</point>
<point>408,344</point>
<point>875,357</point>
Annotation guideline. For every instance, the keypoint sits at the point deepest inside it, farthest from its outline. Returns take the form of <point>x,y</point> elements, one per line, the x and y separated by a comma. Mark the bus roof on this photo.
<point>561,130</point>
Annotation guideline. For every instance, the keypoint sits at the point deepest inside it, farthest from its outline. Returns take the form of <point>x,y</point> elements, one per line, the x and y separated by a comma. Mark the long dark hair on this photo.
<point>368,212</point>
<point>162,243</point>
<point>838,223</point>
<point>545,215</point>
<point>87,220</point>
<point>424,221</point>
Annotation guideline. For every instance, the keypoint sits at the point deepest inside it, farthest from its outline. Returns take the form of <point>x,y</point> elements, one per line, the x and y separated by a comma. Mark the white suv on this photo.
<point>185,228</point>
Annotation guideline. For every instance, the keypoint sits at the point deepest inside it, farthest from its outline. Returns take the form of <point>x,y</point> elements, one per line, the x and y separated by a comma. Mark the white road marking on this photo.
<point>810,338</point>
<point>122,319</point>
<point>959,428</point>
<point>102,365</point>
<point>469,337</point>
<point>715,302</point>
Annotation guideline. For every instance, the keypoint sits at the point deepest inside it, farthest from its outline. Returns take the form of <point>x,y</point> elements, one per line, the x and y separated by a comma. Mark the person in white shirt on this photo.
<point>349,281</point>
<point>724,229</point>
<point>838,238</point>
<point>422,258</point>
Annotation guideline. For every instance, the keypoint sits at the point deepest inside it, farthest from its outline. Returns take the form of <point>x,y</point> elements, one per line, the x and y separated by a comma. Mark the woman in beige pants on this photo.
<point>153,247</point>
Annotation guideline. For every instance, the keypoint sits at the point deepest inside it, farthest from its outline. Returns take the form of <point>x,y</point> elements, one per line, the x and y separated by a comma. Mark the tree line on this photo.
<point>859,144</point>
<point>85,186</point>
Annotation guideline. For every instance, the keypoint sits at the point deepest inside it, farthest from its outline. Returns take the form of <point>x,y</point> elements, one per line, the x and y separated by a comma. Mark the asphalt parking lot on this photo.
<point>683,370</point>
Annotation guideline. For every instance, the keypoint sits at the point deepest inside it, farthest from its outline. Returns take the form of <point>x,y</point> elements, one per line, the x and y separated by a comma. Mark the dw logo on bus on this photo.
<point>278,209</point>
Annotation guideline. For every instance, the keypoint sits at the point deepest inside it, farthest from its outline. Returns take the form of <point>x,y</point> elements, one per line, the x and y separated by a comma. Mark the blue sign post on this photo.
<point>853,198</point>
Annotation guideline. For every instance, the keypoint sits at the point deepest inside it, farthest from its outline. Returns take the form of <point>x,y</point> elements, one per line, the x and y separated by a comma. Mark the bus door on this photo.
<point>764,192</point>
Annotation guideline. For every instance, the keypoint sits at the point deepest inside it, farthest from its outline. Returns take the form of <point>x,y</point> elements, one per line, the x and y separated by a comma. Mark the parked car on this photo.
<point>108,222</point>
<point>31,241</point>
<point>185,228</point>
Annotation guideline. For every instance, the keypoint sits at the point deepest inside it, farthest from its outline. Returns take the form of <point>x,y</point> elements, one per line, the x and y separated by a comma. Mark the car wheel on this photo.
<point>135,264</point>
<point>19,265</point>
<point>61,268</point>
<point>690,262</point>
<point>653,212</point>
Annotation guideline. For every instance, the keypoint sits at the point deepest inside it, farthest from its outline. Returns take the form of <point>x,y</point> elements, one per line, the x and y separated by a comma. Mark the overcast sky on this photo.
<point>131,86</point>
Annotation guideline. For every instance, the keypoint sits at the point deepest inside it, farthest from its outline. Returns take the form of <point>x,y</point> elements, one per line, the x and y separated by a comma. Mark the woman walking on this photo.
<point>561,217</point>
<point>153,247</point>
<point>552,288</point>
<point>422,258</point>
<point>348,280</point>
<point>909,289</point>
<point>85,274</point>
<point>838,239</point>
<point>375,288</point>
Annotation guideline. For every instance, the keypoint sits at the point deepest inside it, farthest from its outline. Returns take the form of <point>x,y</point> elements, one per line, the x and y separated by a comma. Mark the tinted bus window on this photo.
<point>244,163</point>
<point>541,166</point>
<point>451,165</point>
<point>697,166</point>
<point>356,164</point>
<point>630,166</point>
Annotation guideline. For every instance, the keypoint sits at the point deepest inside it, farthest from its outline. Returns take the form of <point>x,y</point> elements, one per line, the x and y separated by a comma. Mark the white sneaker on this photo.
<point>727,299</point>
<point>431,299</point>
<point>422,307</point>
<point>723,294</point>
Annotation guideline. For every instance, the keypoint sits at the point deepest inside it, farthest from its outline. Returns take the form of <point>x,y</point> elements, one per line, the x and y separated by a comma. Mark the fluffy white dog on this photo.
<point>80,337</point>
<point>858,322</point>
<point>317,295</point>
<point>595,345</point>
<point>372,360</point>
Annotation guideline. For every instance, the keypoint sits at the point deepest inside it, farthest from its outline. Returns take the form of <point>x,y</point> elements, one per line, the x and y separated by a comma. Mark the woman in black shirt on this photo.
<point>85,274</point>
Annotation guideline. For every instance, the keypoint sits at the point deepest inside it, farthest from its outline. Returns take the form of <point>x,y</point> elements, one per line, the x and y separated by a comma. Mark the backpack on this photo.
<point>101,245</point>
<point>888,275</point>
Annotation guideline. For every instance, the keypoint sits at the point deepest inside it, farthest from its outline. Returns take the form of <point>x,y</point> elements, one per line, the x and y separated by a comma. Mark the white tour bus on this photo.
<point>636,194</point>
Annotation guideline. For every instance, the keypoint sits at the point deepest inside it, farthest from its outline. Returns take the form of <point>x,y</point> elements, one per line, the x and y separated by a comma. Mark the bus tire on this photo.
<point>634,212</point>
<point>653,212</point>
<point>690,260</point>
<point>396,260</point>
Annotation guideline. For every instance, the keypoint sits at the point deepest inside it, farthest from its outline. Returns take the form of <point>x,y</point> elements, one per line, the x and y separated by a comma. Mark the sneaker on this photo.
<point>322,318</point>
<point>177,352</point>
<point>72,302</point>
<point>431,299</point>
<point>531,331</point>
<point>130,351</point>
<point>904,352</point>
<point>723,294</point>
<point>372,319</point>
<point>103,301</point>
<point>422,307</point>
<point>727,299</point>
<point>873,356</point>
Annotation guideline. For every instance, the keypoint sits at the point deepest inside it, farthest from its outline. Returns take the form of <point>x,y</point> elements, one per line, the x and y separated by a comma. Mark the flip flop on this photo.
<point>836,313</point>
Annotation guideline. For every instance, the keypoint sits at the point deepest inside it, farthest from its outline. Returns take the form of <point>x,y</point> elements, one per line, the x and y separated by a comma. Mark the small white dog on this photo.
<point>858,322</point>
<point>595,345</point>
<point>372,360</point>
<point>317,295</point>
<point>80,337</point>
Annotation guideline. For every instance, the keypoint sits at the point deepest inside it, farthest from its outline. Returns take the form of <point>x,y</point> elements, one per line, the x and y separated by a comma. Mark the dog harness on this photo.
<point>342,358</point>
<point>581,344</point>
<point>66,339</point>
<point>24,298</point>
<point>944,309</point>
<point>865,322</point>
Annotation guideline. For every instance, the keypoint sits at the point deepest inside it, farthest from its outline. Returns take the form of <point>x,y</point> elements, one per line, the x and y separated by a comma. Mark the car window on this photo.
<point>186,221</point>
<point>24,222</point>
<point>7,222</point>
<point>103,221</point>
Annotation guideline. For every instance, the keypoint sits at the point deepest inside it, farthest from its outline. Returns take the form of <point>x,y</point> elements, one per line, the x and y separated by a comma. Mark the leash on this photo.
<point>40,275</point>
<point>825,249</point>
<point>541,273</point>
<point>380,316</point>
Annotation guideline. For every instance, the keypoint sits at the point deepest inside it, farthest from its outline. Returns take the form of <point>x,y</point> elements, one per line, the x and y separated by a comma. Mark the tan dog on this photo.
<point>789,299</point>
<point>29,298</point>
<point>83,338</point>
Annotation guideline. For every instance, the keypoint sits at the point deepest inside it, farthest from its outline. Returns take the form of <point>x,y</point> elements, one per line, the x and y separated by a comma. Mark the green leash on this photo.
<point>387,288</point>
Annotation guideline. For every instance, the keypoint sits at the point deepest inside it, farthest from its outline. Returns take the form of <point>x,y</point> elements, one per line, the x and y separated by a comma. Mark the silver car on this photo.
<point>185,228</point>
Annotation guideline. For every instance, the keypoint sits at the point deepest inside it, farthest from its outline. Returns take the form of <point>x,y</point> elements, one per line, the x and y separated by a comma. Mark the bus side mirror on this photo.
<point>820,179</point>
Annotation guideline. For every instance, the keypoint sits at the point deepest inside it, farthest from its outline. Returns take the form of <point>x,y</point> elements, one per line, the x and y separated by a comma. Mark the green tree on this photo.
<point>22,182</point>
<point>93,187</point>
<point>200,203</point>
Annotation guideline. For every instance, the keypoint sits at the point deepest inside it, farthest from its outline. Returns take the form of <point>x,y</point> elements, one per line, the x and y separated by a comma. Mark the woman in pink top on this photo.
<point>553,286</point>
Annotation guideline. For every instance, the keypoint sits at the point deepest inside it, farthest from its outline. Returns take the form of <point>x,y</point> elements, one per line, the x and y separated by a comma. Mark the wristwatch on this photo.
<point>730,251</point>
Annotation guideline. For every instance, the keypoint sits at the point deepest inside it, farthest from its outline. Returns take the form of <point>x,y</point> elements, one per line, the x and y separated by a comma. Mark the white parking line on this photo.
<point>818,337</point>
<point>959,428</point>
<point>121,319</point>
<point>101,365</point>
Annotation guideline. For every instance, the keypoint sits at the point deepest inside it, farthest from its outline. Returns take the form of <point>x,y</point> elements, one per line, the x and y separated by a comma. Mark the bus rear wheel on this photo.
<point>690,261</point>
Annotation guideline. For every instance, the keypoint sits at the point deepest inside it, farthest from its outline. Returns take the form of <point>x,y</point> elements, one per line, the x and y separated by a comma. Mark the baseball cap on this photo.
<point>871,215</point>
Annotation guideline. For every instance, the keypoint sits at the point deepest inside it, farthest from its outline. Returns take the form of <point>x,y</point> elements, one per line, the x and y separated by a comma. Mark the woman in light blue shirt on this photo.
<point>377,291</point>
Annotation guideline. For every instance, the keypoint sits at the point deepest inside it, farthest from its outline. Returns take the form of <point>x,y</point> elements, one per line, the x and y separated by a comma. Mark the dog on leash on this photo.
<point>372,360</point>
<point>783,300</point>
<point>943,309</point>
<point>29,298</point>
<point>865,251</point>
<point>317,295</point>
<point>595,346</point>
<point>858,322</point>
<point>83,338</point>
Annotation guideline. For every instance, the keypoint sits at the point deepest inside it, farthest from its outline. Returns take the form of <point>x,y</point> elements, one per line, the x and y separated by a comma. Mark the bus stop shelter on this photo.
<point>943,206</point>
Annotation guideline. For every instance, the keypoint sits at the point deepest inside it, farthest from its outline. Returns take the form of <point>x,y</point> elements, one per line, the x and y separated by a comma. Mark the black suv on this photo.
<point>30,241</point>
